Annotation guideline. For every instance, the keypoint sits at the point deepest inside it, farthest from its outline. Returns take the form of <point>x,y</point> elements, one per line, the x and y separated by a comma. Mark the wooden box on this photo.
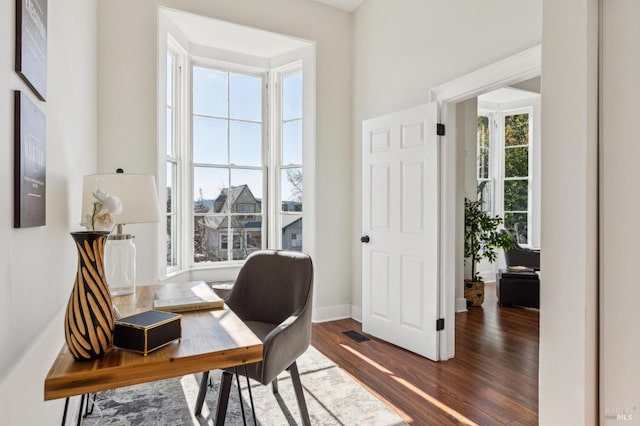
<point>147,331</point>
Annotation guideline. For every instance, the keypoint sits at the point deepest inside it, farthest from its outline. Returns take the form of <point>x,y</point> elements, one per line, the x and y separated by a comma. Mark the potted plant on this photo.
<point>481,241</point>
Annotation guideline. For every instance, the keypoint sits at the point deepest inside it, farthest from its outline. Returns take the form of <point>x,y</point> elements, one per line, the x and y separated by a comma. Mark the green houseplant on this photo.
<point>482,239</point>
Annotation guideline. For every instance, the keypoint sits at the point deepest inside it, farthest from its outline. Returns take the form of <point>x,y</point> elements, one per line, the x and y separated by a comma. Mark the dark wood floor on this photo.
<point>492,380</point>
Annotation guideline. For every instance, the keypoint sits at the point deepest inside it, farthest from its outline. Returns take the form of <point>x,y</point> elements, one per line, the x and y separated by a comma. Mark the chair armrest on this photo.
<point>283,345</point>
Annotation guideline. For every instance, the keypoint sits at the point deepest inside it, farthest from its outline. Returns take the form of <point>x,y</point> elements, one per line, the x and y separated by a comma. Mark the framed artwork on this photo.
<point>30,171</point>
<point>31,44</point>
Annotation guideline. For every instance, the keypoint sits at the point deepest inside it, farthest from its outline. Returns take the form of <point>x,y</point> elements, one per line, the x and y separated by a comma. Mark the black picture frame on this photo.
<point>31,44</point>
<point>30,163</point>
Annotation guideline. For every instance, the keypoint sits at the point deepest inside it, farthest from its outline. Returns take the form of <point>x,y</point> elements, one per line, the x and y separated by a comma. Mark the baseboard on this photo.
<point>461,304</point>
<point>356,313</point>
<point>331,313</point>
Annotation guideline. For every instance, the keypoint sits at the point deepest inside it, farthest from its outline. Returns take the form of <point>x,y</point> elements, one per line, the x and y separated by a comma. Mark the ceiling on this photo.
<point>507,94</point>
<point>204,31</point>
<point>348,5</point>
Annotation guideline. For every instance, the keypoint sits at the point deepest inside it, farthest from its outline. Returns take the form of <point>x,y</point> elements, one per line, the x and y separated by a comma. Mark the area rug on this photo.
<point>333,398</point>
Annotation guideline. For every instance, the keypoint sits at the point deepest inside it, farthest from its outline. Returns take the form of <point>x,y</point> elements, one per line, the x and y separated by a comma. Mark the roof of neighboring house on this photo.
<point>290,220</point>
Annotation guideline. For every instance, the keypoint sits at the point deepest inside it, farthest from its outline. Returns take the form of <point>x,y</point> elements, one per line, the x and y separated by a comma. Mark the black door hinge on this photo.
<point>440,129</point>
<point>440,324</point>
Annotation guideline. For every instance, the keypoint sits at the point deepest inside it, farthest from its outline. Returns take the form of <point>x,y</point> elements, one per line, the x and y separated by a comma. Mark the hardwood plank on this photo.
<point>493,378</point>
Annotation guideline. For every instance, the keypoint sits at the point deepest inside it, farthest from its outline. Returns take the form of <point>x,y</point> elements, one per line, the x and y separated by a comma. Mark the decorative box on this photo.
<point>147,331</point>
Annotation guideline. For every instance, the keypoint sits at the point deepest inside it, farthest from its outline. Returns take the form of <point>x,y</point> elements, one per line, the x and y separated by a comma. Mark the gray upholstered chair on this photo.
<point>520,256</point>
<point>272,295</point>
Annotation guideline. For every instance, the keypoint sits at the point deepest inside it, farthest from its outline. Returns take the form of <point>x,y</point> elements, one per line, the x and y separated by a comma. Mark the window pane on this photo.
<point>516,195</point>
<point>246,143</point>
<point>209,92</point>
<point>210,238</point>
<point>291,231</point>
<point>516,130</point>
<point>171,179</point>
<point>292,142</point>
<point>245,97</point>
<point>172,241</point>
<point>485,194</point>
<point>292,96</point>
<point>483,131</point>
<point>483,164</point>
<point>209,189</point>
<point>169,80</point>
<point>247,238</point>
<point>291,190</point>
<point>516,162</point>
<point>209,140</point>
<point>517,223</point>
<point>169,132</point>
<point>246,190</point>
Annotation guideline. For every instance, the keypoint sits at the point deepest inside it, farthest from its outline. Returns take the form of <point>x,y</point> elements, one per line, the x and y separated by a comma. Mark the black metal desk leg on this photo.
<point>244,420</point>
<point>81,409</point>
<point>202,392</point>
<point>253,411</point>
<point>64,413</point>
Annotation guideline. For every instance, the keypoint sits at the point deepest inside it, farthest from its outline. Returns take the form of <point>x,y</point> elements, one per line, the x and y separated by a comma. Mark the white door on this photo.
<point>400,207</point>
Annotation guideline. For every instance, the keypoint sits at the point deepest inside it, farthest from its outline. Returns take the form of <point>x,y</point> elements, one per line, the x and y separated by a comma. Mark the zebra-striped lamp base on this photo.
<point>89,318</point>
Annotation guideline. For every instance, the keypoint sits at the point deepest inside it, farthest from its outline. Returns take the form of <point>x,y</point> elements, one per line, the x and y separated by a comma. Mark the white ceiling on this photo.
<point>204,31</point>
<point>507,94</point>
<point>348,5</point>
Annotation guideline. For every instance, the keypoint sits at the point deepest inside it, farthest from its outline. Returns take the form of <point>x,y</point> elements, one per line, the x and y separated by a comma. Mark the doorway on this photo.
<point>515,69</point>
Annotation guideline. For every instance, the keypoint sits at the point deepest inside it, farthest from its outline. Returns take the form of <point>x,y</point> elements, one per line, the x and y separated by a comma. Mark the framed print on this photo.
<point>29,164</point>
<point>31,44</point>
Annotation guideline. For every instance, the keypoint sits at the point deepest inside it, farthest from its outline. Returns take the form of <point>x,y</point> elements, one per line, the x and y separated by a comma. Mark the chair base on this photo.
<point>225,389</point>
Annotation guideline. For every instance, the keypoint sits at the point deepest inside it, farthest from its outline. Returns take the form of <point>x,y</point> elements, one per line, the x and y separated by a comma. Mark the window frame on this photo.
<point>230,68</point>
<point>275,225</point>
<point>179,130</point>
<point>530,106</point>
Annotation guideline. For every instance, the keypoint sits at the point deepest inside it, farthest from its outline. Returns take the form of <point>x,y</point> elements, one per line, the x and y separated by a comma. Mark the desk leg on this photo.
<point>64,413</point>
<point>253,411</point>
<point>202,392</point>
<point>244,420</point>
<point>81,410</point>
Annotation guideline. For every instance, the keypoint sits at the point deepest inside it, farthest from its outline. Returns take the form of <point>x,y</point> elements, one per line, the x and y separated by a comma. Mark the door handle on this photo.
<point>364,239</point>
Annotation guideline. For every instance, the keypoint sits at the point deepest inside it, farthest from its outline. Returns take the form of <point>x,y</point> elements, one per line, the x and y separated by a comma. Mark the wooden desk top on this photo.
<point>210,340</point>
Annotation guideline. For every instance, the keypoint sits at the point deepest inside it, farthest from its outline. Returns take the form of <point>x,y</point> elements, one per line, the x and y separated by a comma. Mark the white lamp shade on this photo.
<point>136,191</point>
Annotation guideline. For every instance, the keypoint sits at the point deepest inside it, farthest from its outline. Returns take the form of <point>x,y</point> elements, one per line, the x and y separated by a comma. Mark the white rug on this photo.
<point>332,397</point>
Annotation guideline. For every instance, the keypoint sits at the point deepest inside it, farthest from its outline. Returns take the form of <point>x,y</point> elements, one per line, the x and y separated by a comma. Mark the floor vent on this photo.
<point>354,335</point>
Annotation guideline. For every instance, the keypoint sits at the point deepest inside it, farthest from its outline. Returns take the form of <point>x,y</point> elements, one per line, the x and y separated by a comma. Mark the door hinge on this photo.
<point>440,324</point>
<point>440,129</point>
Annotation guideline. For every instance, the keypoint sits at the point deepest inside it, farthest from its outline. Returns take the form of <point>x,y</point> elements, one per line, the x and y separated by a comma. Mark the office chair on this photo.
<point>272,295</point>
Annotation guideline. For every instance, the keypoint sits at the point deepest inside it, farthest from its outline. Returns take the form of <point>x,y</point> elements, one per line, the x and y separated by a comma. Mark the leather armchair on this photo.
<point>273,296</point>
<point>520,256</point>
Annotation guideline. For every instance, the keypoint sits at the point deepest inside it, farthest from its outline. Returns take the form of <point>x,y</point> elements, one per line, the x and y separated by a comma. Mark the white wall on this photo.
<point>38,265</point>
<point>568,291</point>
<point>127,113</point>
<point>402,49</point>
<point>619,206</point>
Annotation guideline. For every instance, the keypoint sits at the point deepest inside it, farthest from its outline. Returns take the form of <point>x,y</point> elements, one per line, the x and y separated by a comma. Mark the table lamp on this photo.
<point>139,205</point>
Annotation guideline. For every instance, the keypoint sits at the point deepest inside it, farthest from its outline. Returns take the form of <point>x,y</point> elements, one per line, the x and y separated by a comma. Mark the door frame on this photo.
<point>511,70</point>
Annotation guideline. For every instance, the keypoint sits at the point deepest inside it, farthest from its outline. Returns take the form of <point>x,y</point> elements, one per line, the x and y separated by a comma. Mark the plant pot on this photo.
<point>89,320</point>
<point>474,292</point>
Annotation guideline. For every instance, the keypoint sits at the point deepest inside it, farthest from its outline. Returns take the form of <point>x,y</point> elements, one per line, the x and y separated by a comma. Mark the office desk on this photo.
<point>210,340</point>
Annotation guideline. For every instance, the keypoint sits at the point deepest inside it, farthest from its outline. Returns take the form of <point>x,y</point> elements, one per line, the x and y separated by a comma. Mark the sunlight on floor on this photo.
<point>431,400</point>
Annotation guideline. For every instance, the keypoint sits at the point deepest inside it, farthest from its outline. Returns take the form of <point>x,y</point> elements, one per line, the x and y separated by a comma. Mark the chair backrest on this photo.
<point>514,241</point>
<point>272,286</point>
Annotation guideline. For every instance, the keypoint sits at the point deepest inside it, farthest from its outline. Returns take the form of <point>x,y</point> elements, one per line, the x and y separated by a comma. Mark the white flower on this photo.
<point>101,219</point>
